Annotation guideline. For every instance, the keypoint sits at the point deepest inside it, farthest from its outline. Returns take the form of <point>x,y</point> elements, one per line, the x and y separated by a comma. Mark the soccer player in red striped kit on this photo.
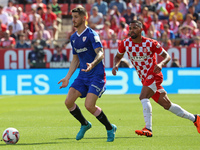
<point>141,52</point>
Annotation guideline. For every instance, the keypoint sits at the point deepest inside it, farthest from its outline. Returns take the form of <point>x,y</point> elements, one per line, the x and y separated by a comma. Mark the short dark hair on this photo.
<point>137,22</point>
<point>22,34</point>
<point>80,10</point>
<point>176,5</point>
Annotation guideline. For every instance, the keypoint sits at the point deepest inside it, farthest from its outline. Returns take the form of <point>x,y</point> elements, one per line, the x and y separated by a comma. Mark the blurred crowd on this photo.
<point>19,29</point>
<point>171,22</point>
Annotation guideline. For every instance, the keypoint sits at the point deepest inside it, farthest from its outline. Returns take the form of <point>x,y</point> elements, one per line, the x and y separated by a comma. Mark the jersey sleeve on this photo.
<point>157,47</point>
<point>121,47</point>
<point>95,40</point>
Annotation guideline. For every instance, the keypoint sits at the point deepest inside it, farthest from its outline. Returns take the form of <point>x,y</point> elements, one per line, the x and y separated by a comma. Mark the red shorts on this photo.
<point>154,82</point>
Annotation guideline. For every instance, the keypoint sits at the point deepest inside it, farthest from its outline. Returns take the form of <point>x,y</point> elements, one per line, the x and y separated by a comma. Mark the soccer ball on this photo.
<point>10,136</point>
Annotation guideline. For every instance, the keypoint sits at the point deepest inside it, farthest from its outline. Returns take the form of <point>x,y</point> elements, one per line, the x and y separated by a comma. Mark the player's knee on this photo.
<point>166,106</point>
<point>89,107</point>
<point>143,97</point>
<point>68,103</point>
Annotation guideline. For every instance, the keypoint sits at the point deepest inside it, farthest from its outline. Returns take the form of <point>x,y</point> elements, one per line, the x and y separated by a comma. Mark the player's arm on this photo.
<point>97,59</point>
<point>73,66</point>
<point>160,65</point>
<point>116,63</point>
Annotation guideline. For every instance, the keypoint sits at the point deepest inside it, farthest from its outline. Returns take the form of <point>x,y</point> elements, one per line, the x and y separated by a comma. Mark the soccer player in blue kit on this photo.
<point>90,83</point>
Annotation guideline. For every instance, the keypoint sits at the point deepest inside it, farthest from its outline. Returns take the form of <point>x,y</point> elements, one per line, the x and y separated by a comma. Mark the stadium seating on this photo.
<point>64,8</point>
<point>28,8</point>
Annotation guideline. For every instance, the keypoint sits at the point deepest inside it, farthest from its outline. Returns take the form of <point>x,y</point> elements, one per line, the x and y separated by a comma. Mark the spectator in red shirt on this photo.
<point>123,33</point>
<point>103,42</point>
<point>114,42</point>
<point>135,7</point>
<point>50,21</point>
<point>106,32</point>
<point>39,4</point>
<point>145,26</point>
<point>22,16</point>
<point>2,29</point>
<point>146,17</point>
<point>157,24</point>
<point>7,41</point>
<point>10,8</point>
<point>113,24</point>
<point>27,32</point>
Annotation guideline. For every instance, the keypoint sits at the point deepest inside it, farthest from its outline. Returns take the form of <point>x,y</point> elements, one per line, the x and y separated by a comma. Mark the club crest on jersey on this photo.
<point>84,38</point>
<point>150,77</point>
<point>145,50</point>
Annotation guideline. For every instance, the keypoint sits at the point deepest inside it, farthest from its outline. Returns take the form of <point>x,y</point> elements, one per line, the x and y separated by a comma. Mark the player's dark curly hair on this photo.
<point>137,22</point>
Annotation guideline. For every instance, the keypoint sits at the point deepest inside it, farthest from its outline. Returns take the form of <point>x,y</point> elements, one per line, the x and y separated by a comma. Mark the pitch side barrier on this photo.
<point>18,58</point>
<point>44,81</point>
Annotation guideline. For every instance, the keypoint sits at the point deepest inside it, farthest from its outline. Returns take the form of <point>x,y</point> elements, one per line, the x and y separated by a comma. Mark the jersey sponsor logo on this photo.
<point>97,88</point>
<point>139,58</point>
<point>84,38</point>
<point>97,39</point>
<point>73,41</point>
<point>80,50</point>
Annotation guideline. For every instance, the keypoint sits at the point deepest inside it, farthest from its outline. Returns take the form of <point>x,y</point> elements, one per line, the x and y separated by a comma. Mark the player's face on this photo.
<point>77,19</point>
<point>134,30</point>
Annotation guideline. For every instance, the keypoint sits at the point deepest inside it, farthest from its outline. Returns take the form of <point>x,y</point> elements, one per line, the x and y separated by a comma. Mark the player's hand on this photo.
<point>157,68</point>
<point>89,67</point>
<point>114,70</point>
<point>65,83</point>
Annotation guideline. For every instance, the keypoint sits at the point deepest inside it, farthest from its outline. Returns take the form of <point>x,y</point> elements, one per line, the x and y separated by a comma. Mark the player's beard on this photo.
<point>133,36</point>
<point>77,24</point>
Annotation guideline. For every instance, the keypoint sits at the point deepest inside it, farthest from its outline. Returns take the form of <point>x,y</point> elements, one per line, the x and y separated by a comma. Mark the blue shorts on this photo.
<point>93,85</point>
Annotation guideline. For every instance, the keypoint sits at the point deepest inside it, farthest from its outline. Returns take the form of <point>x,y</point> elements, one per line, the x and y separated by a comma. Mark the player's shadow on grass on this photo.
<point>96,138</point>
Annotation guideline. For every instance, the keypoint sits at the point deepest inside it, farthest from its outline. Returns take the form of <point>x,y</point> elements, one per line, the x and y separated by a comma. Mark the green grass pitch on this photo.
<point>44,123</point>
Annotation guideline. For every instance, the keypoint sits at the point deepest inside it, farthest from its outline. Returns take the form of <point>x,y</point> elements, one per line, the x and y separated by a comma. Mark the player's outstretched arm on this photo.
<point>116,63</point>
<point>73,66</point>
<point>160,65</point>
<point>97,59</point>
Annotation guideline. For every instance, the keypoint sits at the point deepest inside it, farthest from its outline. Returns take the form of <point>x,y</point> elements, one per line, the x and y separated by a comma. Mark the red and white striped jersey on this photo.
<point>142,55</point>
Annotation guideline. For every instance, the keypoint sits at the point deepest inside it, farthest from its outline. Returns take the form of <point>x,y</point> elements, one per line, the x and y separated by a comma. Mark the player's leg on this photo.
<point>145,94</point>
<point>165,102</point>
<point>73,94</point>
<point>174,108</point>
<point>90,104</point>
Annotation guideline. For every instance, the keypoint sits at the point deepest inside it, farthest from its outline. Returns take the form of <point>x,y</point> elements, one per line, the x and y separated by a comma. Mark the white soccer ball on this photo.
<point>11,136</point>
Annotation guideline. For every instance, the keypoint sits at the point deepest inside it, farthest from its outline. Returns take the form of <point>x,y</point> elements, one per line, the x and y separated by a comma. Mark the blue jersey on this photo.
<point>84,45</point>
